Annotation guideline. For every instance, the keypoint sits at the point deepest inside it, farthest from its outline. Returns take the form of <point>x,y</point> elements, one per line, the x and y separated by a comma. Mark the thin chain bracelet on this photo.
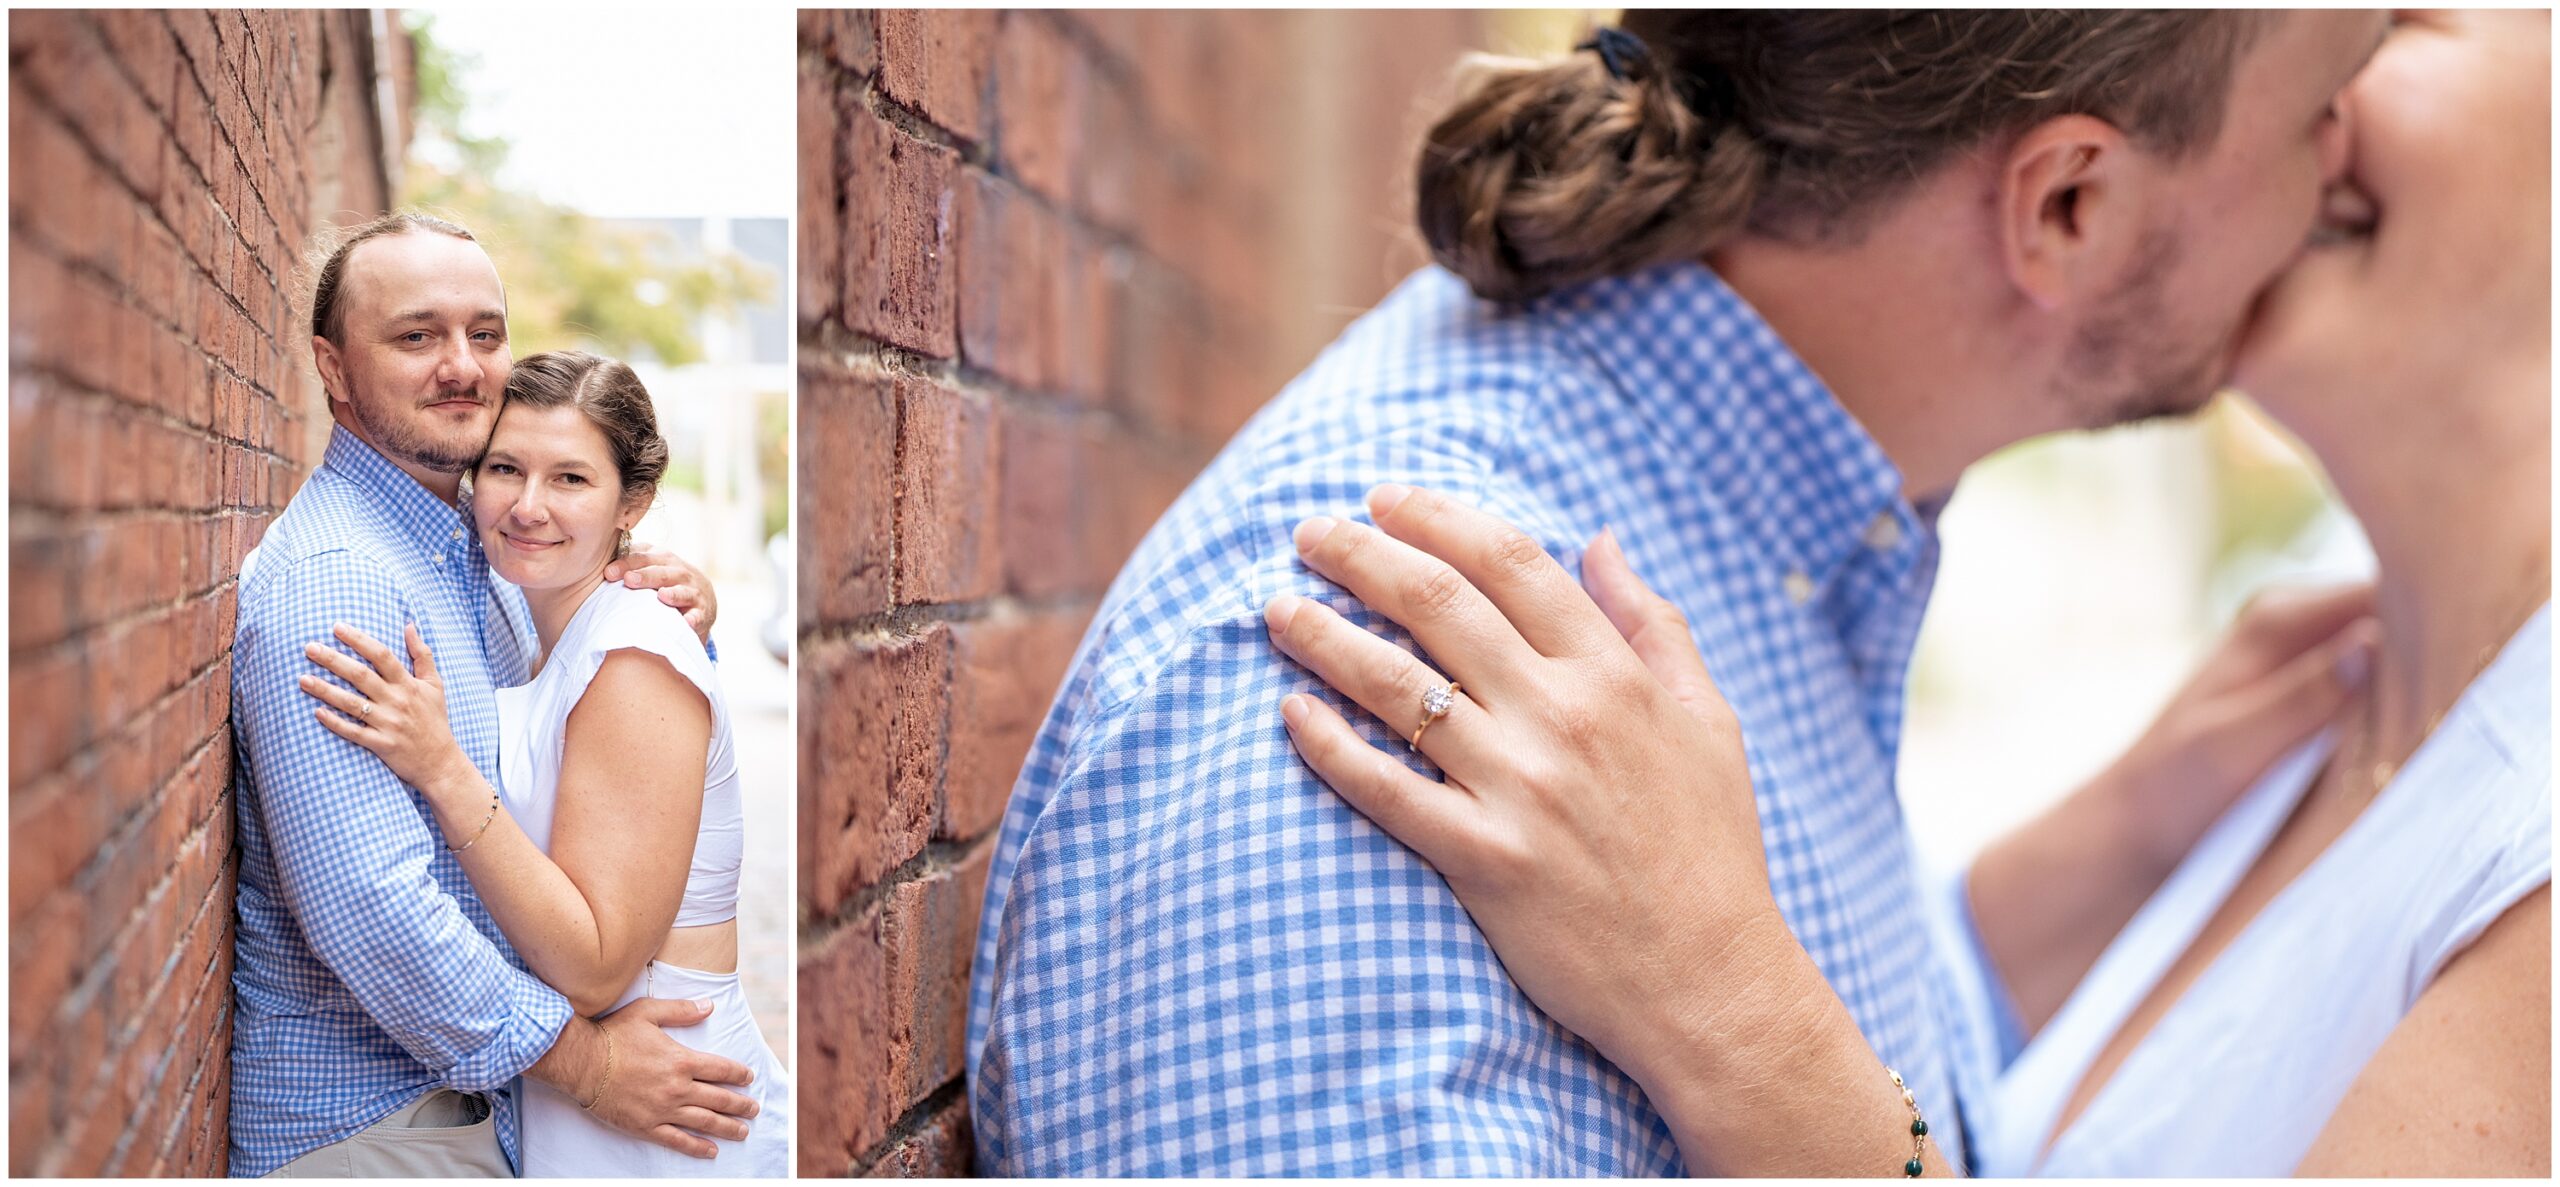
<point>607,1078</point>
<point>1919,1128</point>
<point>484,823</point>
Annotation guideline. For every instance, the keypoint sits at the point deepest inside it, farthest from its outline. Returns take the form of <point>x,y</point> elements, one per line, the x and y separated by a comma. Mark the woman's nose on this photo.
<point>529,508</point>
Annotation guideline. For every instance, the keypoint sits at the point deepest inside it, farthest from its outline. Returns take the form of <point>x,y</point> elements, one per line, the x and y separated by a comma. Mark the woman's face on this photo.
<point>2433,273</point>
<point>547,500</point>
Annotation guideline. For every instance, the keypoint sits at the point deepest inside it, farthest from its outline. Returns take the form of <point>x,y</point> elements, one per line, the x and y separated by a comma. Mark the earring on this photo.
<point>623,547</point>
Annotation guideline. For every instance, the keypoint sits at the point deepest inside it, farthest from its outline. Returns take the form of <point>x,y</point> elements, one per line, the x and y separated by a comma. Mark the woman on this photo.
<point>2349,973</point>
<point>610,854</point>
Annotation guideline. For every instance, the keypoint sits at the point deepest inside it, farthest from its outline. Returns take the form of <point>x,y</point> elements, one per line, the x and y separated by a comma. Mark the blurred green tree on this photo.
<point>572,280</point>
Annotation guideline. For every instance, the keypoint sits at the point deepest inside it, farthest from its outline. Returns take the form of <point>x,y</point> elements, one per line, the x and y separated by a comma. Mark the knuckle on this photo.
<point>1435,592</point>
<point>1513,551</point>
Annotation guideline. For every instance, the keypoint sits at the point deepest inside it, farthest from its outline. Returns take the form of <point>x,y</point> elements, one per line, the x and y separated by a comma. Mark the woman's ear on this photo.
<point>2070,210</point>
<point>634,508</point>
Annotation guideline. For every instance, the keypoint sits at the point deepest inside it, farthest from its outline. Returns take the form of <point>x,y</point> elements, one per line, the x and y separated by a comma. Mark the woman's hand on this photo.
<point>1597,819</point>
<point>1597,822</point>
<point>398,716</point>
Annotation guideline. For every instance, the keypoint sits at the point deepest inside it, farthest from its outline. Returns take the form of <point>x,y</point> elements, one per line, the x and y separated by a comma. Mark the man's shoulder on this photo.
<point>322,550</point>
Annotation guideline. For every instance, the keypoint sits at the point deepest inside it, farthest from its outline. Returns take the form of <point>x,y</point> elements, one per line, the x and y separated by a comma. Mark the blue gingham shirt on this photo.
<point>368,972</point>
<point>1197,959</point>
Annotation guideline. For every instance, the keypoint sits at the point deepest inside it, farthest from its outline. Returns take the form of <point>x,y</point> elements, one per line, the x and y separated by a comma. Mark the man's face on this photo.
<point>2238,213</point>
<point>422,361</point>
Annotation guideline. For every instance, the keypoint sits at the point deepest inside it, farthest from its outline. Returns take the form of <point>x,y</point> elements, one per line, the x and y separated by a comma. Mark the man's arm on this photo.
<point>353,852</point>
<point>1207,963</point>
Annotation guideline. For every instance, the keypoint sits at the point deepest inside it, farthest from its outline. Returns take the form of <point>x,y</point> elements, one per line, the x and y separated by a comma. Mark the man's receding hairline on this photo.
<point>347,272</point>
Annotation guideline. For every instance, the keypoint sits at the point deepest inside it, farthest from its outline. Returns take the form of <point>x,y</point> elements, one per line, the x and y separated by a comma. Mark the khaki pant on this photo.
<point>442,1135</point>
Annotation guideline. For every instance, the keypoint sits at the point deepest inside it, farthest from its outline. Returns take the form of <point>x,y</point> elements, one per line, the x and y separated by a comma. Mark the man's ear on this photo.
<point>324,359</point>
<point>2070,209</point>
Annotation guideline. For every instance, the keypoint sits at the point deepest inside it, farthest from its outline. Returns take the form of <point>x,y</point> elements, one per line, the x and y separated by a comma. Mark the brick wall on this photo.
<point>165,170</point>
<point>1048,263</point>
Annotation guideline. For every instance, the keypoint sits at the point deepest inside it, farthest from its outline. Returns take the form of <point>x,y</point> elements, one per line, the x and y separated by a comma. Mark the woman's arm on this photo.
<point>2463,1085</point>
<point>587,917</point>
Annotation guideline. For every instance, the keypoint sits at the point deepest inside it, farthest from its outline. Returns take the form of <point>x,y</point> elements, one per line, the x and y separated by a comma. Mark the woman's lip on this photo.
<point>521,544</point>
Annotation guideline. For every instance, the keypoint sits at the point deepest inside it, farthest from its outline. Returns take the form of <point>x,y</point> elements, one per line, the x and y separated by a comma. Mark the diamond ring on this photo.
<point>1436,704</point>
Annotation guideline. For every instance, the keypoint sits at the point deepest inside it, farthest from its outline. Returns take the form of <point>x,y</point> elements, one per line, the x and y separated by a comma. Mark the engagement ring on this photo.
<point>1435,705</point>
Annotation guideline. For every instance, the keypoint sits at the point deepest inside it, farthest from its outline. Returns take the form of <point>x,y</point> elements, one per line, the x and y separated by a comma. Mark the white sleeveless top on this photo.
<point>534,727</point>
<point>2242,1072</point>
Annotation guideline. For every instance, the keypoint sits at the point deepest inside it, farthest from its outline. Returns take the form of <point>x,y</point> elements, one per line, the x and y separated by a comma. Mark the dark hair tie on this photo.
<point>1619,50</point>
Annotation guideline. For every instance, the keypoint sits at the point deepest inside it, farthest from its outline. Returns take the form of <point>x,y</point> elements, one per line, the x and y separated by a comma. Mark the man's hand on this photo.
<point>678,583</point>
<point>646,1084</point>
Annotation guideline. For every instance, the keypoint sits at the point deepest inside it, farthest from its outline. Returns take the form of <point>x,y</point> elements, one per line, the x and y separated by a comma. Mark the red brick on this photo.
<point>1010,256</point>
<point>935,1146</point>
<point>1052,465</point>
<point>879,711</point>
<point>1104,170</point>
<point>1039,102</point>
<point>821,198</point>
<point>897,195</point>
<point>1005,670</point>
<point>946,497</point>
<point>848,461</point>
<point>846,38</point>
<point>935,61</point>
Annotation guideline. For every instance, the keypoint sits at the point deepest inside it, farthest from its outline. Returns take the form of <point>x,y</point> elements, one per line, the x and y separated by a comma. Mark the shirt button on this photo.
<point>457,533</point>
<point>1799,587</point>
<point>1884,533</point>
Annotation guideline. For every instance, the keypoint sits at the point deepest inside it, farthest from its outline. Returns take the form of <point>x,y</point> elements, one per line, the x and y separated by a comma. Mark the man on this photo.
<point>382,1018</point>
<point>1963,229</point>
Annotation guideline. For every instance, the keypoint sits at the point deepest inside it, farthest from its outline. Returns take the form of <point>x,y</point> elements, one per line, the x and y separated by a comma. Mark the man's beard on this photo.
<point>2125,365</point>
<point>401,441</point>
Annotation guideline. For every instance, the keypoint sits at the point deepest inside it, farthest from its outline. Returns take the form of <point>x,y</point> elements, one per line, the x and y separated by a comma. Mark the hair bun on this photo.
<point>1548,174</point>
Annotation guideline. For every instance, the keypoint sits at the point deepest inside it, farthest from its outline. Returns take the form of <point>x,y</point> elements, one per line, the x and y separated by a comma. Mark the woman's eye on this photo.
<point>574,479</point>
<point>500,468</point>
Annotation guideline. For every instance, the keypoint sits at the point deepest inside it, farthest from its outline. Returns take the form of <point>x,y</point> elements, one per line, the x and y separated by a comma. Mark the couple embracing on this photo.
<point>1367,835</point>
<point>489,814</point>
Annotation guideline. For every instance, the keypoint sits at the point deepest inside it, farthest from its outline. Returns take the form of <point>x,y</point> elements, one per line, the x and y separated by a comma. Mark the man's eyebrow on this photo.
<point>410,315</point>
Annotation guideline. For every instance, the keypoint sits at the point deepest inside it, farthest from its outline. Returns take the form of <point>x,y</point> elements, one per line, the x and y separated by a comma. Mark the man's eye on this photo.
<point>414,336</point>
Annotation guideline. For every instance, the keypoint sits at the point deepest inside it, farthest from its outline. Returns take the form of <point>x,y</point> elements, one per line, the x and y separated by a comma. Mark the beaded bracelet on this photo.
<point>484,824</point>
<point>1919,1128</point>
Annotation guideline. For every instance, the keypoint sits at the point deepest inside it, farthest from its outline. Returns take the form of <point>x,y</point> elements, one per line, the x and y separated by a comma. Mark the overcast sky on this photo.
<point>635,111</point>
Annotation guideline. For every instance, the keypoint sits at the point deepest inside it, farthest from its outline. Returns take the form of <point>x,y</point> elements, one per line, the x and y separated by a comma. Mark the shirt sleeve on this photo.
<point>1208,963</point>
<point>353,847</point>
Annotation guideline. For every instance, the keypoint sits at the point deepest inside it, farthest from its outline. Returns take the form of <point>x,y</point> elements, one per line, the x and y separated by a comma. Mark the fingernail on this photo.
<point>1384,497</point>
<point>1280,611</point>
<point>1312,532</point>
<point>703,1004</point>
<point>1293,709</point>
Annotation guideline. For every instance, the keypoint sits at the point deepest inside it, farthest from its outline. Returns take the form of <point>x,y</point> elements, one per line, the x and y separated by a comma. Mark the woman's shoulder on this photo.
<point>634,619</point>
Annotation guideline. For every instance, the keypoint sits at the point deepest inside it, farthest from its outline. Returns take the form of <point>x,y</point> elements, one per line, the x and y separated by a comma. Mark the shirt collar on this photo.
<point>1729,399</point>
<point>416,512</point>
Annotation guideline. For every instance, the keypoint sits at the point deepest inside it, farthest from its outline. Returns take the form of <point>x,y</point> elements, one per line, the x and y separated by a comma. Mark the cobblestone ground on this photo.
<point>759,692</point>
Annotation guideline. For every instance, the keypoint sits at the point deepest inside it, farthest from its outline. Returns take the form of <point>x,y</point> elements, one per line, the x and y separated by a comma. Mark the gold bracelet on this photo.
<point>484,823</point>
<point>607,1078</point>
<point>1919,1128</point>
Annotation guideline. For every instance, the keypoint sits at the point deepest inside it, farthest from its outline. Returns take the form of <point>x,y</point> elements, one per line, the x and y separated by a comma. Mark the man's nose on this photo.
<point>2337,143</point>
<point>457,367</point>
